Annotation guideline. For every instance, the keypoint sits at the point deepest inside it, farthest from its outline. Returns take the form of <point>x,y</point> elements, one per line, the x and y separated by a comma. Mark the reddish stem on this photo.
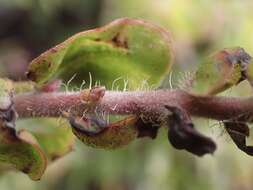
<point>137,102</point>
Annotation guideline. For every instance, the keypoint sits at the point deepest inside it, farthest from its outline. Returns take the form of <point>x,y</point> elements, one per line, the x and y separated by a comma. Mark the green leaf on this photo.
<point>134,50</point>
<point>22,152</point>
<point>221,71</point>
<point>54,136</point>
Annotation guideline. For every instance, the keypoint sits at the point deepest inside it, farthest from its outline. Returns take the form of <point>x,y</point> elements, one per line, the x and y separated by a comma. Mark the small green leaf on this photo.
<point>130,49</point>
<point>221,71</point>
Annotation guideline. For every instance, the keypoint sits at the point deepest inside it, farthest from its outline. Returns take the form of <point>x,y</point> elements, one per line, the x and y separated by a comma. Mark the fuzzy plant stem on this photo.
<point>133,102</point>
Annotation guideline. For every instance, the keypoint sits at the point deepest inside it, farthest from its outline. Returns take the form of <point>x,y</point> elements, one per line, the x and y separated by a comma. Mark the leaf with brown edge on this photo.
<point>130,49</point>
<point>238,131</point>
<point>22,152</point>
<point>18,149</point>
<point>108,136</point>
<point>182,134</point>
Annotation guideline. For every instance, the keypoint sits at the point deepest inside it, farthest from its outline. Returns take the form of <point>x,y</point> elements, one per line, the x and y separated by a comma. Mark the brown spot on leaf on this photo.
<point>9,134</point>
<point>55,157</point>
<point>31,75</point>
<point>26,169</point>
<point>97,39</point>
<point>119,41</point>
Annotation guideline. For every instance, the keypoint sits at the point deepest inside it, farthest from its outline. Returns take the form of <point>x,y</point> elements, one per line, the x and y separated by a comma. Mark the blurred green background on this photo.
<point>29,27</point>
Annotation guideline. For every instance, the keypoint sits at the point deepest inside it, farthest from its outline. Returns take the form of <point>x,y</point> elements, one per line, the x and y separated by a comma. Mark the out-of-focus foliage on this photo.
<point>30,27</point>
<point>198,28</point>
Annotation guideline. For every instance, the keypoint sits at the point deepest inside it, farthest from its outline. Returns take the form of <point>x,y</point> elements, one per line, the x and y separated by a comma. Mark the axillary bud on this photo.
<point>93,95</point>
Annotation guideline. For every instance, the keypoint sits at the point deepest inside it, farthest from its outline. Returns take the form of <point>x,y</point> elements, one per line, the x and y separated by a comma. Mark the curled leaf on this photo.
<point>103,135</point>
<point>182,134</point>
<point>21,151</point>
<point>238,131</point>
<point>129,49</point>
<point>146,129</point>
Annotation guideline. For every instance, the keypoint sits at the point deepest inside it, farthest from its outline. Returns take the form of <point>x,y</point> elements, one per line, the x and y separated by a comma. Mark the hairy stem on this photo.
<point>147,103</point>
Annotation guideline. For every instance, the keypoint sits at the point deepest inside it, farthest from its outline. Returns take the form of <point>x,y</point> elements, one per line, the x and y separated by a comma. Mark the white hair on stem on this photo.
<point>97,83</point>
<point>170,80</point>
<point>61,121</point>
<point>90,85</point>
<point>82,85</point>
<point>186,80</point>
<point>142,85</point>
<point>66,86</point>
<point>152,87</point>
<point>125,84</point>
<point>70,80</point>
<point>115,81</point>
<point>145,86</point>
